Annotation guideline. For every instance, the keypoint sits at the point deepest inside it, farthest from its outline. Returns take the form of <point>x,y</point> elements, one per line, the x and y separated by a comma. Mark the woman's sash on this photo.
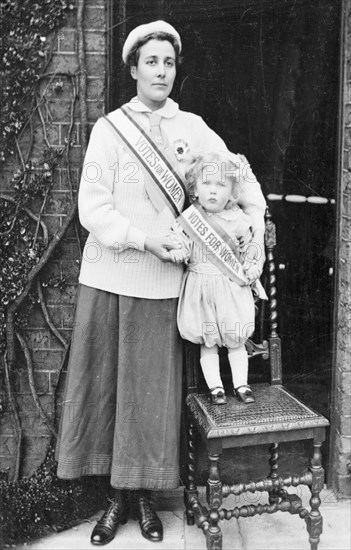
<point>163,182</point>
<point>214,242</point>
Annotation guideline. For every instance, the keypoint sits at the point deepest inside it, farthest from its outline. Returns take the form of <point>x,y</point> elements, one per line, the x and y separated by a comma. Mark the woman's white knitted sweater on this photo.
<point>114,206</point>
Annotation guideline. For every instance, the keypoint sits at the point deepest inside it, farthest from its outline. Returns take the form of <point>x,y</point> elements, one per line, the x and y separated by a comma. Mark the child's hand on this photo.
<point>177,256</point>
<point>161,246</point>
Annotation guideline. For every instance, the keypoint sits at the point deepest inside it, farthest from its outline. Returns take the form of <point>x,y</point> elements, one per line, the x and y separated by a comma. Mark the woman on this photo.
<point>121,413</point>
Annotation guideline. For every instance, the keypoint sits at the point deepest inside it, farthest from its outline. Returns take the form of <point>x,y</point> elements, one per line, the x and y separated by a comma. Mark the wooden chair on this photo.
<point>276,416</point>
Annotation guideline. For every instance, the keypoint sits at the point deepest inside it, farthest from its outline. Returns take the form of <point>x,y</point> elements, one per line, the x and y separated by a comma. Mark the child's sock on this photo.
<point>239,364</point>
<point>210,369</point>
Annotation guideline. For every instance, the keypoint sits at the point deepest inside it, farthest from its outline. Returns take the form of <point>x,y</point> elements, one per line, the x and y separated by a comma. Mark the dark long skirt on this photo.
<point>122,405</point>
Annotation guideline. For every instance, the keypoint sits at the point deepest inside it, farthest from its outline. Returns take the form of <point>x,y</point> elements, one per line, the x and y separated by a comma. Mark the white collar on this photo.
<point>169,110</point>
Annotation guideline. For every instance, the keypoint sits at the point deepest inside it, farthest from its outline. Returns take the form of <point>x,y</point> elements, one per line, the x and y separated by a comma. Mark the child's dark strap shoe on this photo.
<point>244,394</point>
<point>218,396</point>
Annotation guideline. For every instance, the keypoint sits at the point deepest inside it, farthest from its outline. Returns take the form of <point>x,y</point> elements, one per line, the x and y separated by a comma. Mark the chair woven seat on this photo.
<point>275,410</point>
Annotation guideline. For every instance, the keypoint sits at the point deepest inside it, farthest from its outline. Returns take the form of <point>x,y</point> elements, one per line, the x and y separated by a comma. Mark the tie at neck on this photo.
<point>155,119</point>
<point>155,129</point>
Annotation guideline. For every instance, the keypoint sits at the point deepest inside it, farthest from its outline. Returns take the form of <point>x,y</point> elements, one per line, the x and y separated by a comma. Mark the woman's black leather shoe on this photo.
<point>105,529</point>
<point>150,524</point>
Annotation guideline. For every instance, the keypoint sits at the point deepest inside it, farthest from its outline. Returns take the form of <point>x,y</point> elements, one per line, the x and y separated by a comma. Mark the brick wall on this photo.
<point>47,351</point>
<point>340,471</point>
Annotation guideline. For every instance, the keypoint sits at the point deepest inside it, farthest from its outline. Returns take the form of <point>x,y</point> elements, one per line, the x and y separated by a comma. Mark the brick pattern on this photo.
<point>341,413</point>
<point>46,350</point>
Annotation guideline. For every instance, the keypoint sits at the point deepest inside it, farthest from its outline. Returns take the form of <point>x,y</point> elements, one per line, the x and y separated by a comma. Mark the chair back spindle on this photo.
<point>273,338</point>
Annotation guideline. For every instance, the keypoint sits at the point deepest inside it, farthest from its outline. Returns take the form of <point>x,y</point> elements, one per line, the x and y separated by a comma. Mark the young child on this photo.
<point>213,309</point>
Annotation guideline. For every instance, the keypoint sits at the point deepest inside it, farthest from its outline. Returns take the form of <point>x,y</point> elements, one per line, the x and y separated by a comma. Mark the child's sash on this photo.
<point>214,242</point>
<point>162,180</point>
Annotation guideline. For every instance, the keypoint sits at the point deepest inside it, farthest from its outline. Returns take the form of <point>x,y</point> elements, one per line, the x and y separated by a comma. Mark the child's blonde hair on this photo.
<point>196,171</point>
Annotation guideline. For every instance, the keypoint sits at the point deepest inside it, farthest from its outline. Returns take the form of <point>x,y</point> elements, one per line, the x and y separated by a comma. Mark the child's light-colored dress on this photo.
<point>212,309</point>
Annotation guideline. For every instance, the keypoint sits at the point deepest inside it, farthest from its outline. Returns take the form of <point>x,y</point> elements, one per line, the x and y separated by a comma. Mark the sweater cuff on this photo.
<point>257,221</point>
<point>136,238</point>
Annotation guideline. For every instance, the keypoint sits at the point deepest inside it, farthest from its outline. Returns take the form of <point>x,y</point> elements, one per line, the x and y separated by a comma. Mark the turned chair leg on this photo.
<point>214,500</point>
<point>191,489</point>
<point>314,519</point>
<point>273,496</point>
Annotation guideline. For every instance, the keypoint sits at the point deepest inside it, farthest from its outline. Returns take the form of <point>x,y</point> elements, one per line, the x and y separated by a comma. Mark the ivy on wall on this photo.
<point>25,52</point>
<point>29,507</point>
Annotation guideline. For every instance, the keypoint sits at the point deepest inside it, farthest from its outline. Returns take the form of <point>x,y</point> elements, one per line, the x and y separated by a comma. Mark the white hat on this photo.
<point>142,31</point>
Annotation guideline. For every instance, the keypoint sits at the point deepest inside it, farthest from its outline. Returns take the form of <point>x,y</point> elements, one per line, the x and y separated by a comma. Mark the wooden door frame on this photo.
<point>341,353</point>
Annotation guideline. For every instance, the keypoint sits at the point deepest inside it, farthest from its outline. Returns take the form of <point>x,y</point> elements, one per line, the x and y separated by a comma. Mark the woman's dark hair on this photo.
<point>133,56</point>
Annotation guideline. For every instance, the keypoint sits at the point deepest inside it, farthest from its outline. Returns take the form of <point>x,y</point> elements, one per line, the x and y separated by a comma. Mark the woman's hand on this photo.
<point>253,262</point>
<point>252,271</point>
<point>244,240</point>
<point>161,246</point>
<point>254,257</point>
